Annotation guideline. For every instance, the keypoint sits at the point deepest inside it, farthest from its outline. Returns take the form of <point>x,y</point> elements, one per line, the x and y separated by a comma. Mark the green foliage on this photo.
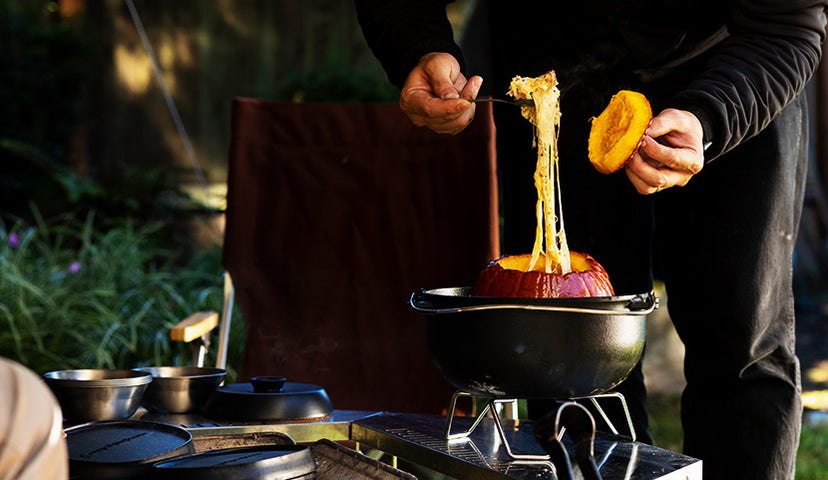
<point>665,421</point>
<point>74,296</point>
<point>812,460</point>
<point>119,193</point>
<point>337,81</point>
<point>42,70</point>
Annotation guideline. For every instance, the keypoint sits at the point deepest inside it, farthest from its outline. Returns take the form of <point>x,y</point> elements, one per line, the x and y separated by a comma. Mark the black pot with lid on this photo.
<point>269,398</point>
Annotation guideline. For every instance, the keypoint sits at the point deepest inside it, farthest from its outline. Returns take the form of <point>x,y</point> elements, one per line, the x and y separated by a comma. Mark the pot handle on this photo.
<point>419,303</point>
<point>268,384</point>
<point>648,302</point>
<point>576,420</point>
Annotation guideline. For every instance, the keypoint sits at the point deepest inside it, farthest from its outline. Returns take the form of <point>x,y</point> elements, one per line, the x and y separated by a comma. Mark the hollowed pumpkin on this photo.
<point>617,132</point>
<point>510,276</point>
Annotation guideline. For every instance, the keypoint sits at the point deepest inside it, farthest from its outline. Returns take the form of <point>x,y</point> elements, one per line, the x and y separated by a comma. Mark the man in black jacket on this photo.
<point>725,79</point>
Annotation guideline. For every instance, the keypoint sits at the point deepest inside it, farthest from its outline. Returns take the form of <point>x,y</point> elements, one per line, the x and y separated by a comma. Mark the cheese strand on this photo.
<point>545,115</point>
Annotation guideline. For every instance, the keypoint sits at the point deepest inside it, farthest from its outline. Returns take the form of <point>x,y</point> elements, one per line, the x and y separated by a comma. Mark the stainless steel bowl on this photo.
<point>89,395</point>
<point>180,389</point>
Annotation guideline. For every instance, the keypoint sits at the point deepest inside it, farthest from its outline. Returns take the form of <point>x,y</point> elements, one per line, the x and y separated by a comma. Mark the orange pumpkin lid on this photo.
<point>617,132</point>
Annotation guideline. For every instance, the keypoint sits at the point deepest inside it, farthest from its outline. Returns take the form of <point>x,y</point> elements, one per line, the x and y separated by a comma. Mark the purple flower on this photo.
<point>14,241</point>
<point>74,267</point>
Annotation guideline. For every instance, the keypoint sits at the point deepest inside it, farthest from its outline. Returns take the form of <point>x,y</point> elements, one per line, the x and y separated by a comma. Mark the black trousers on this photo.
<point>723,245</point>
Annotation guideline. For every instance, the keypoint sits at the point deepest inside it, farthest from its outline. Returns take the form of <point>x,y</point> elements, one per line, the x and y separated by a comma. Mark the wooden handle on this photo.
<point>194,326</point>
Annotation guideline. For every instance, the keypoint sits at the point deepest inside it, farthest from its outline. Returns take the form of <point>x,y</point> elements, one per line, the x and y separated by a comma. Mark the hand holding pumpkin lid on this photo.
<point>617,132</point>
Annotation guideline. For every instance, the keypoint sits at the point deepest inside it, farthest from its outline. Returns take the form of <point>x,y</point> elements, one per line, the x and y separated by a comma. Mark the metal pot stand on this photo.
<point>491,408</point>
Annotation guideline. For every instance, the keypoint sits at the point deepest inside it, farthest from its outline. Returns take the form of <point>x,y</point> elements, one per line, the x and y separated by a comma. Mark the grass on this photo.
<point>665,422</point>
<point>75,294</point>
<point>812,460</point>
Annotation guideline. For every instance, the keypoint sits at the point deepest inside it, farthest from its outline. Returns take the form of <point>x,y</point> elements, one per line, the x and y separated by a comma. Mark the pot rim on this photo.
<point>97,377</point>
<point>457,300</point>
<point>182,372</point>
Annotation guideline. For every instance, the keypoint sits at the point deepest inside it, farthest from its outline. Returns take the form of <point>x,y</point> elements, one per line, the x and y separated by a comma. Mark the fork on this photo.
<point>520,102</point>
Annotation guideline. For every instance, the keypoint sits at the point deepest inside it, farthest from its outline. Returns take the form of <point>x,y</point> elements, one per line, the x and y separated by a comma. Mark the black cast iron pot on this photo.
<point>556,348</point>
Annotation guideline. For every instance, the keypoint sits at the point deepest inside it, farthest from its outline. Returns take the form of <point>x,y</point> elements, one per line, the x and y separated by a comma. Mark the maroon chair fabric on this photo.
<point>336,213</point>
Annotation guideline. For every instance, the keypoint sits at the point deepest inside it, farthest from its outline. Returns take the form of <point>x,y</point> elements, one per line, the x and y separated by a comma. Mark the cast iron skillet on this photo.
<point>557,348</point>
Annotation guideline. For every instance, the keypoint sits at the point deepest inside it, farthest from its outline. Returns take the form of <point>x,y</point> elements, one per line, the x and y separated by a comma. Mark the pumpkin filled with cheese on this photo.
<point>511,277</point>
<point>551,270</point>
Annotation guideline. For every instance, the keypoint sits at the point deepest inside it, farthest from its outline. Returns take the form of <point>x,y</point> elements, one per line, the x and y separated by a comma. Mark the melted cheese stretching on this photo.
<point>545,115</point>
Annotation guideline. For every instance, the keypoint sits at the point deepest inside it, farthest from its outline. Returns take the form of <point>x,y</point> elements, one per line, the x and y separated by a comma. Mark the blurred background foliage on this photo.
<point>86,123</point>
<point>111,227</point>
<point>110,206</point>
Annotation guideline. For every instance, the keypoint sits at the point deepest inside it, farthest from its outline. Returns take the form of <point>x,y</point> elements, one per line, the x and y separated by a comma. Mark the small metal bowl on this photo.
<point>89,395</point>
<point>180,389</point>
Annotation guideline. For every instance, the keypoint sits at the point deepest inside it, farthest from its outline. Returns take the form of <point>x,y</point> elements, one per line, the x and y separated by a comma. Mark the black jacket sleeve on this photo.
<point>400,32</point>
<point>771,51</point>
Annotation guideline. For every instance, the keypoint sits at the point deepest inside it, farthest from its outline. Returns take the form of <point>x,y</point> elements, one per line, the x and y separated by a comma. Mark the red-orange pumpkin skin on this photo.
<point>501,278</point>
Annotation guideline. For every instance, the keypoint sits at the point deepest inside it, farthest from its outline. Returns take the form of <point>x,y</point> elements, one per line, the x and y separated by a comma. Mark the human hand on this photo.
<point>436,94</point>
<point>670,154</point>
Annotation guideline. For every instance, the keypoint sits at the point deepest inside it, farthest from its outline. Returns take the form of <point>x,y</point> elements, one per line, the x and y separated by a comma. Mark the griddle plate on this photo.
<point>123,441</point>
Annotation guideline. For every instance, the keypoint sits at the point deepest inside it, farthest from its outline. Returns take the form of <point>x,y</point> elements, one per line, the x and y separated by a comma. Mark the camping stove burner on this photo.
<point>492,408</point>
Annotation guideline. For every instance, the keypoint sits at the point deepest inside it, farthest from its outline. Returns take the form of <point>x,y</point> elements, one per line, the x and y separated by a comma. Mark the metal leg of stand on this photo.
<point>508,409</point>
<point>620,397</point>
<point>450,417</point>
<point>491,406</point>
<point>515,456</point>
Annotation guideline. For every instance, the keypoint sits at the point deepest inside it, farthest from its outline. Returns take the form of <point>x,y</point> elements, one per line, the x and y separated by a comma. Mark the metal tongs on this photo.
<point>575,419</point>
<point>520,102</point>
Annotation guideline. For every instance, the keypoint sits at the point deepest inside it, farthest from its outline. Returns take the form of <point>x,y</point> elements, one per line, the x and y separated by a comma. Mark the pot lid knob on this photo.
<point>268,384</point>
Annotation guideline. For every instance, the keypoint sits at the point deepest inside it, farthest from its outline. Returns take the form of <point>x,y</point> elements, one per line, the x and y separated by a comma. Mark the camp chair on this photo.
<point>336,213</point>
